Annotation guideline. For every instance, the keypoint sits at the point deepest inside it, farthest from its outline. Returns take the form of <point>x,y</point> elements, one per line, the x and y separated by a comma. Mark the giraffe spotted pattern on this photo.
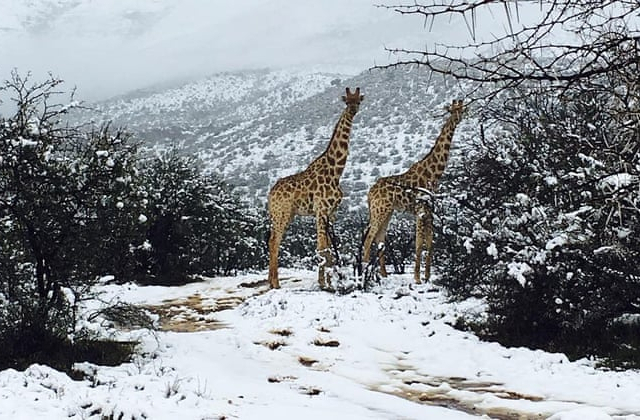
<point>402,193</point>
<point>313,192</point>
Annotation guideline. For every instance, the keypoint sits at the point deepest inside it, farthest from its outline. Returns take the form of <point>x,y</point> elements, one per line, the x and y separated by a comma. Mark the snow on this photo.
<point>517,270</point>
<point>492,250</point>
<point>22,142</point>
<point>556,242</point>
<point>551,180</point>
<point>468,245</point>
<point>301,352</point>
<point>614,182</point>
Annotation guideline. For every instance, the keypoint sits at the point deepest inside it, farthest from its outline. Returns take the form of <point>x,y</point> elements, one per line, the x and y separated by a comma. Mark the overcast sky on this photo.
<point>107,47</point>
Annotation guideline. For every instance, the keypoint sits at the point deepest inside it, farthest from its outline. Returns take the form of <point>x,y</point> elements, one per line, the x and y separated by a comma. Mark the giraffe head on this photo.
<point>353,100</point>
<point>456,109</point>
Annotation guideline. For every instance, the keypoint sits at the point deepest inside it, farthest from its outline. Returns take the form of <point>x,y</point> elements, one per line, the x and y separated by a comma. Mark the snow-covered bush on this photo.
<point>195,223</point>
<point>400,248</point>
<point>298,248</point>
<point>60,226</point>
<point>550,231</point>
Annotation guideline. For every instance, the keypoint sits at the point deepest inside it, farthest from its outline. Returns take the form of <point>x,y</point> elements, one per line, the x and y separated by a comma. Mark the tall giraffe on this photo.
<point>313,192</point>
<point>401,192</point>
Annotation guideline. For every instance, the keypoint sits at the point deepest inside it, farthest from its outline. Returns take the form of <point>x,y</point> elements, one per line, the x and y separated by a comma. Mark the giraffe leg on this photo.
<point>420,237</point>
<point>279,225</point>
<point>323,248</point>
<point>428,244</point>
<point>376,234</point>
<point>380,239</point>
<point>368,241</point>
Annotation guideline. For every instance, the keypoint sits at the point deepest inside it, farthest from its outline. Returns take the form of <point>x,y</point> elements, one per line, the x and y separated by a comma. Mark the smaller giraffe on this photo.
<point>313,192</point>
<point>402,192</point>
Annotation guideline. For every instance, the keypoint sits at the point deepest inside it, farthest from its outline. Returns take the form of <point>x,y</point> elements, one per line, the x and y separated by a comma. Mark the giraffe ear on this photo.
<point>361,98</point>
<point>344,98</point>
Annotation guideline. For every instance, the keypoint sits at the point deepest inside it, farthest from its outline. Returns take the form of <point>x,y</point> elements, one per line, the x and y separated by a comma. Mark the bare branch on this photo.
<point>594,33</point>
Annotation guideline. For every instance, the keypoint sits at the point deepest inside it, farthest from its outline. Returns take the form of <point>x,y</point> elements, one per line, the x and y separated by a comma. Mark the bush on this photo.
<point>78,206</point>
<point>554,249</point>
<point>60,226</point>
<point>196,224</point>
<point>299,245</point>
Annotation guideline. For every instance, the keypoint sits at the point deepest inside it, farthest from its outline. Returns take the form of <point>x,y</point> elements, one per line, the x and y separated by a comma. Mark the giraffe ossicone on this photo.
<point>313,192</point>
<point>404,192</point>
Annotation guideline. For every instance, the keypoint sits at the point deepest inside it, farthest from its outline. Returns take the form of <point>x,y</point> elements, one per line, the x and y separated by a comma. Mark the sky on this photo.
<point>108,47</point>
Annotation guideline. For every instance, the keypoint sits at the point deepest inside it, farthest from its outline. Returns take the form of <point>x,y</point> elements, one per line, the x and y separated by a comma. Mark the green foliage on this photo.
<point>298,249</point>
<point>400,248</point>
<point>78,206</point>
<point>58,185</point>
<point>196,224</point>
<point>553,250</point>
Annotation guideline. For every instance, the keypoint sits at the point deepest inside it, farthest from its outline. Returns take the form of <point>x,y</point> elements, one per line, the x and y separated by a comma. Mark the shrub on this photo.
<point>60,226</point>
<point>549,233</point>
<point>196,223</point>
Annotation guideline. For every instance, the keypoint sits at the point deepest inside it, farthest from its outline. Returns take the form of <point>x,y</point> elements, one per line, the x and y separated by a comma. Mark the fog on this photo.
<point>109,47</point>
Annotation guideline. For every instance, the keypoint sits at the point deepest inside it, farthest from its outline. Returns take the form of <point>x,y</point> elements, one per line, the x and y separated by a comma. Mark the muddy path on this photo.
<point>200,311</point>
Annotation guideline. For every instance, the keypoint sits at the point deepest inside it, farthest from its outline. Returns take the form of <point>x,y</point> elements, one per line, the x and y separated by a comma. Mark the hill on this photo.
<point>254,127</point>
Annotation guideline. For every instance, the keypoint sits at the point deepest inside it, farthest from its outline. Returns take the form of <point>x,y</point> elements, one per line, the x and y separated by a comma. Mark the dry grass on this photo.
<point>443,397</point>
<point>278,379</point>
<point>310,390</point>
<point>272,345</point>
<point>282,332</point>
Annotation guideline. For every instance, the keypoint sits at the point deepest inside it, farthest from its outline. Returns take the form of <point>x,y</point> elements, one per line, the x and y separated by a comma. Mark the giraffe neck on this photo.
<point>427,172</point>
<point>336,154</point>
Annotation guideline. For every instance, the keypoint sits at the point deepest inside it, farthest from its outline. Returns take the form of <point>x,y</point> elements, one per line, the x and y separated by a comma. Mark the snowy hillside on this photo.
<point>233,350</point>
<point>257,126</point>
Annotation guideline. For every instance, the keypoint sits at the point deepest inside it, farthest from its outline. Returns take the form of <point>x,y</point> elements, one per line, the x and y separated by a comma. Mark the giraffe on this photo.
<point>313,192</point>
<point>400,192</point>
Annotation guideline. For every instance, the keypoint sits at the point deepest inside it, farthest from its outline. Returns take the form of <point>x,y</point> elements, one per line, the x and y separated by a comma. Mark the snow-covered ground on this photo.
<point>232,349</point>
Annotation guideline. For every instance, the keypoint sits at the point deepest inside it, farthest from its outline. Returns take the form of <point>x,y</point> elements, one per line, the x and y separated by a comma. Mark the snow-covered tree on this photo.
<point>196,223</point>
<point>62,226</point>
<point>553,43</point>
<point>550,232</point>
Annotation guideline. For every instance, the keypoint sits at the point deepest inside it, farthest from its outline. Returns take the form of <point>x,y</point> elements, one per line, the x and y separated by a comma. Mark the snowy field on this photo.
<point>232,349</point>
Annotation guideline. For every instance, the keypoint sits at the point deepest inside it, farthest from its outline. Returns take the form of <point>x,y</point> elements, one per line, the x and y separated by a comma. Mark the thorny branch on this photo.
<point>572,41</point>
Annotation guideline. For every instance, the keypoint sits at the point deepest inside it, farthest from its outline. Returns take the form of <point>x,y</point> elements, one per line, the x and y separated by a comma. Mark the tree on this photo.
<point>552,250</point>
<point>62,225</point>
<point>196,224</point>
<point>571,42</point>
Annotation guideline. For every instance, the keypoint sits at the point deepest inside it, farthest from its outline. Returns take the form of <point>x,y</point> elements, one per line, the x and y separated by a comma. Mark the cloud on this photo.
<point>109,47</point>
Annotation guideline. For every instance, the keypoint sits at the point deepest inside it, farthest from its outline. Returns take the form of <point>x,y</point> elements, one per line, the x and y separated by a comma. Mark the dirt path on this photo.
<point>199,312</point>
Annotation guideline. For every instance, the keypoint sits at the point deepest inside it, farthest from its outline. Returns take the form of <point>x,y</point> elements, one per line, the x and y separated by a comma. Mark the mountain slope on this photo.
<point>255,127</point>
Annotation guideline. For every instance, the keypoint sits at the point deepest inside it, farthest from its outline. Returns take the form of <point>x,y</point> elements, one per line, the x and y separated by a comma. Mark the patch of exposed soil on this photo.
<point>445,392</point>
<point>193,313</point>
